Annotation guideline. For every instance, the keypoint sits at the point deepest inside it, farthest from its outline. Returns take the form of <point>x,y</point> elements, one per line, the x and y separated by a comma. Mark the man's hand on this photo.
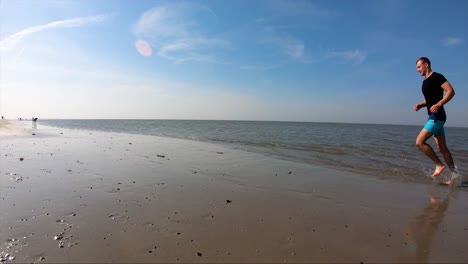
<point>416,107</point>
<point>435,108</point>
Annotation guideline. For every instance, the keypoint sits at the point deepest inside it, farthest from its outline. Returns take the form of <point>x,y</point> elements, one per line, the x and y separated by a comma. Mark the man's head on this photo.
<point>423,65</point>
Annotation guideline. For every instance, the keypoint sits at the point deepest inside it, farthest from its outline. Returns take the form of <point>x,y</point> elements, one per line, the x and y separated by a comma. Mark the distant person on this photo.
<point>433,88</point>
<point>34,120</point>
<point>3,117</point>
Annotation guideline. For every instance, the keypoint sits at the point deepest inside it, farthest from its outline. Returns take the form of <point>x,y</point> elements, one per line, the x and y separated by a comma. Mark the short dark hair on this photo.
<point>425,60</point>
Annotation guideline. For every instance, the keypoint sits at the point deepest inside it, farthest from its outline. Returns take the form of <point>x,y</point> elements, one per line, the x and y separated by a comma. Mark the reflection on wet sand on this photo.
<point>422,228</point>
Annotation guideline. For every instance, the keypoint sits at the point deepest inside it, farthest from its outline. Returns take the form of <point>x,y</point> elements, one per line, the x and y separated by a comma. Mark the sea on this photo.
<point>383,151</point>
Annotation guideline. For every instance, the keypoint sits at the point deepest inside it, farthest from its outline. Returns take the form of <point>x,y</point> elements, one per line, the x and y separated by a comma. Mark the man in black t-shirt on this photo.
<point>433,88</point>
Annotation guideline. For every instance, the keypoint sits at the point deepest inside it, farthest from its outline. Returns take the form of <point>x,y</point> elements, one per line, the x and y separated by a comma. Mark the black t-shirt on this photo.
<point>433,93</point>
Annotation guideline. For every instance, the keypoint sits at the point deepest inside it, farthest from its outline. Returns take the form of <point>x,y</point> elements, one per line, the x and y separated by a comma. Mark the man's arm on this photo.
<point>449,94</point>
<point>416,107</point>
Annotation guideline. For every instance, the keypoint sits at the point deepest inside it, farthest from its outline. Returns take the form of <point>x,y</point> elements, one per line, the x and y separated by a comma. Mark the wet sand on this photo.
<point>81,196</point>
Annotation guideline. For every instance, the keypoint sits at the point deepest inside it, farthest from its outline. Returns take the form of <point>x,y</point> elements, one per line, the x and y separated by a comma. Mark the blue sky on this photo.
<point>325,61</point>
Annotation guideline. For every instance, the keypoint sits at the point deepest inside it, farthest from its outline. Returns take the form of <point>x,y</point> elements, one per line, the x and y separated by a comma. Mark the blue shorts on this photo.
<point>436,128</point>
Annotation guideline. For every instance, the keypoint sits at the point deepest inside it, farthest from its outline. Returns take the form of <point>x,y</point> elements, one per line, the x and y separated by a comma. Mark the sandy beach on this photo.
<point>85,196</point>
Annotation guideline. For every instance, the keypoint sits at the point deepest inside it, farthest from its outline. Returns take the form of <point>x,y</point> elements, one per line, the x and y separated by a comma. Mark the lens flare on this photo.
<point>143,48</point>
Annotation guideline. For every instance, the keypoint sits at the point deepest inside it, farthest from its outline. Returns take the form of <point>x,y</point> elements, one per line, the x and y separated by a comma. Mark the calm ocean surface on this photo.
<point>385,151</point>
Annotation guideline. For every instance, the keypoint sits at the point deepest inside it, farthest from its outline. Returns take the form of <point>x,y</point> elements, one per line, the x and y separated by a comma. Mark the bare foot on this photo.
<point>438,170</point>
<point>433,200</point>
<point>449,182</point>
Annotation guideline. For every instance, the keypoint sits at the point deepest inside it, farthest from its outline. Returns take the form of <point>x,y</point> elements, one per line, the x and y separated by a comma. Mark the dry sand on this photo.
<point>81,196</point>
<point>10,129</point>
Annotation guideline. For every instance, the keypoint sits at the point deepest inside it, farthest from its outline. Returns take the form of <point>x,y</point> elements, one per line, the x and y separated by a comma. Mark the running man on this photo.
<point>433,88</point>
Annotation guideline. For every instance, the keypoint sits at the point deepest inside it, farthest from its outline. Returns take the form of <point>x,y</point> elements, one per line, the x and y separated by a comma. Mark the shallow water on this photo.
<point>386,151</point>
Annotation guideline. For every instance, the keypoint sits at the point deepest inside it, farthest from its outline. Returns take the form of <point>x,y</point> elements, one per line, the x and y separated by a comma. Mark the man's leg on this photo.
<point>442,146</point>
<point>427,149</point>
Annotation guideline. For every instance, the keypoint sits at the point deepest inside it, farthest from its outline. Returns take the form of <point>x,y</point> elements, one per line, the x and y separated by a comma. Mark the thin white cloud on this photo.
<point>294,48</point>
<point>356,56</point>
<point>280,35</point>
<point>159,23</point>
<point>259,67</point>
<point>175,31</point>
<point>452,41</point>
<point>165,50</point>
<point>11,41</point>
<point>300,8</point>
<point>189,56</point>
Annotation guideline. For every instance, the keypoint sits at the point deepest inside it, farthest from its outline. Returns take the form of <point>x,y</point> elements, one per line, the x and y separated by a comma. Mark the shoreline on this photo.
<point>116,197</point>
<point>415,168</point>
